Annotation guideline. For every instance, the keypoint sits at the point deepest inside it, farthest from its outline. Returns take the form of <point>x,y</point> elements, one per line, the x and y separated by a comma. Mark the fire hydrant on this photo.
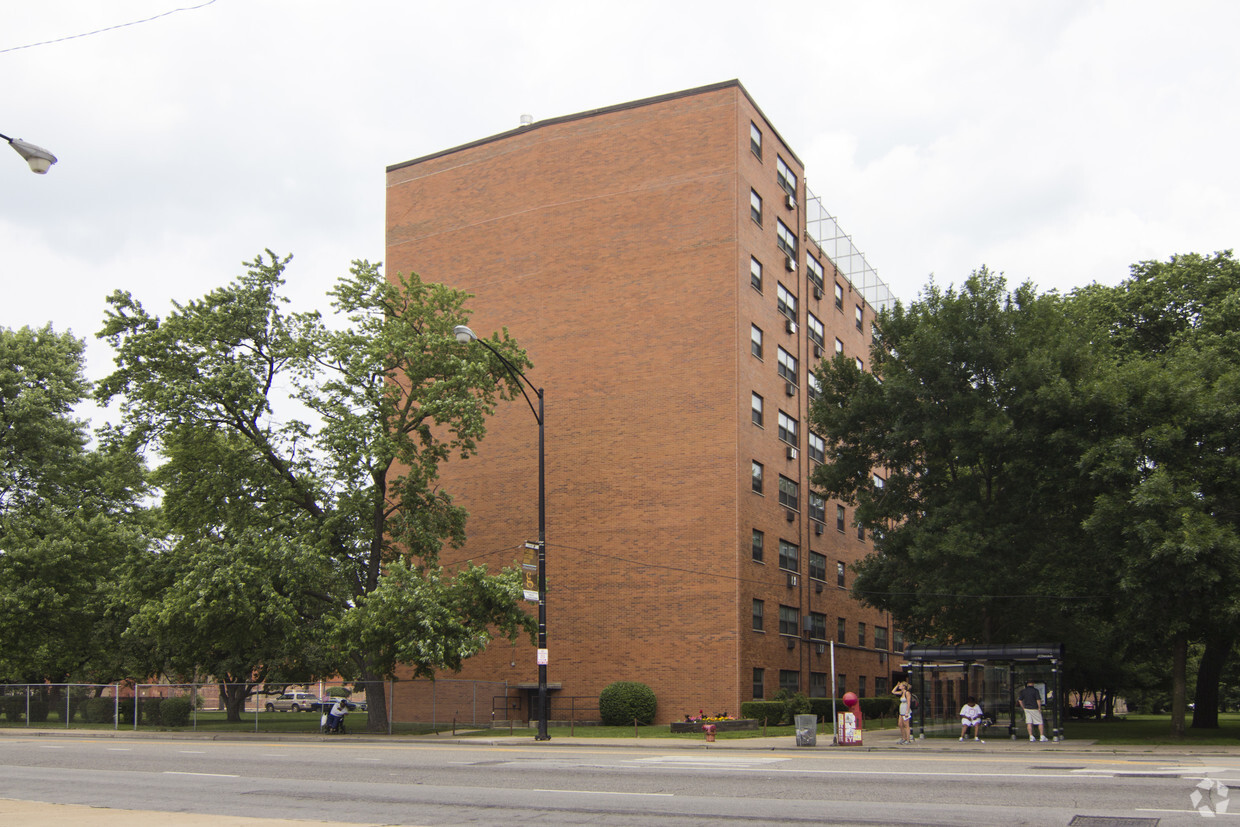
<point>709,729</point>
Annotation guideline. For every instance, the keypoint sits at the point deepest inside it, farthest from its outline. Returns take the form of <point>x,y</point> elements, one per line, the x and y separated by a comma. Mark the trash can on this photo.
<point>709,729</point>
<point>807,730</point>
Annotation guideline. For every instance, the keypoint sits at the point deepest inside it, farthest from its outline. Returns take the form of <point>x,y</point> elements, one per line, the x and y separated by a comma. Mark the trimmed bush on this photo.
<point>98,710</point>
<point>623,702</point>
<point>174,711</point>
<point>772,712</point>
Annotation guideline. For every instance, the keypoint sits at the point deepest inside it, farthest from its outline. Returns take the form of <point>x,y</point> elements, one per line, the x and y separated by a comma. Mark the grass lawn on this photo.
<point>1154,730</point>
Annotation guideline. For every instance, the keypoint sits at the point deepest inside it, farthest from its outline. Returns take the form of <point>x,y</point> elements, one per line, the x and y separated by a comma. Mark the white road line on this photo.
<point>604,792</point>
<point>206,774</point>
<point>119,749</point>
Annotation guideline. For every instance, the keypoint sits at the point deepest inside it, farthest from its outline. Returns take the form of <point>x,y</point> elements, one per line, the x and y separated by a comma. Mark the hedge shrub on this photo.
<point>175,711</point>
<point>623,702</point>
<point>98,710</point>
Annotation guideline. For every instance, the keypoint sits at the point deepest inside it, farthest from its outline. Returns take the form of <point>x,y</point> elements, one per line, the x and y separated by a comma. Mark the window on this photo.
<point>818,684</point>
<point>785,176</point>
<point>839,295</point>
<point>880,637</point>
<point>755,146</point>
<point>861,686</point>
<point>816,331</point>
<point>759,677</point>
<point>897,640</point>
<point>787,366</point>
<point>788,620</point>
<point>787,428</point>
<point>758,608</point>
<point>839,573</point>
<point>817,507</point>
<point>860,315</point>
<point>839,346</point>
<point>817,626</point>
<point>879,483</point>
<point>880,687</point>
<point>785,302</point>
<point>789,493</point>
<point>839,518</point>
<point>785,239</point>
<point>759,543</point>
<point>755,273</point>
<point>860,633</point>
<point>755,340</point>
<point>817,566</point>
<point>817,447</point>
<point>755,207</point>
<point>859,363</point>
<point>756,409</point>
<point>860,532</point>
<point>789,556</point>
<point>840,626</point>
<point>839,683</point>
<point>812,386</point>
<point>757,477</point>
<point>815,273</point>
<point>790,680</point>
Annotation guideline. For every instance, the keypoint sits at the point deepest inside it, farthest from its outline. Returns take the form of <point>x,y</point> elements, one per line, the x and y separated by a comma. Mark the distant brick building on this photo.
<point>654,259</point>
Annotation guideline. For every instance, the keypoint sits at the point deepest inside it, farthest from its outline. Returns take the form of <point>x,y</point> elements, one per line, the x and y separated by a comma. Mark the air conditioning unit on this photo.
<point>790,326</point>
<point>792,452</point>
<point>817,292</point>
<point>791,201</point>
<point>818,588</point>
<point>790,515</point>
<point>789,264</point>
<point>792,643</point>
<point>790,389</point>
<point>820,648</point>
<point>818,530</point>
<point>817,351</point>
<point>792,581</point>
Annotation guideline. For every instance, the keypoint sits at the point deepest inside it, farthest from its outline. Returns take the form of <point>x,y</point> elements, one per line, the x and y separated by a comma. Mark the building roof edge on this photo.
<point>714,87</point>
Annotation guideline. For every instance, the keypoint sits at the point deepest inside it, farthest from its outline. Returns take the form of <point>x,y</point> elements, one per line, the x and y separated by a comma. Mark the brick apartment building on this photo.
<point>655,260</point>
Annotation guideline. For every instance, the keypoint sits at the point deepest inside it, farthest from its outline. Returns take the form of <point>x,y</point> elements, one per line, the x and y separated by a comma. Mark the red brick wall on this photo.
<point>615,248</point>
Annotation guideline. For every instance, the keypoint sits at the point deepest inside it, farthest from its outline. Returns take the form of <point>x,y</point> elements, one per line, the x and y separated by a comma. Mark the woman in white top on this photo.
<point>971,716</point>
<point>906,711</point>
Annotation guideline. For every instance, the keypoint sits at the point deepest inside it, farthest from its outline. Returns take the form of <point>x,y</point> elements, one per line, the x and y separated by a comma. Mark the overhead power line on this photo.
<point>107,29</point>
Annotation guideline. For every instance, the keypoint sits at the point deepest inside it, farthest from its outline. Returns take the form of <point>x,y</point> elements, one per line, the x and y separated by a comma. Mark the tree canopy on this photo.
<point>300,474</point>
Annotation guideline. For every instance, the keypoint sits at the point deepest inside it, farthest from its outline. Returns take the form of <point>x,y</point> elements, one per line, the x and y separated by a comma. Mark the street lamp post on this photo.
<point>464,335</point>
<point>40,159</point>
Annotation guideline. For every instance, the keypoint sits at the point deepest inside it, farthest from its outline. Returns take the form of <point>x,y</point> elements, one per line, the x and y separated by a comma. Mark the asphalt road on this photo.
<point>462,782</point>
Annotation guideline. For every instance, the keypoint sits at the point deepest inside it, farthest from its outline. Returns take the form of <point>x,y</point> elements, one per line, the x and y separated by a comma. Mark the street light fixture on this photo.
<point>465,336</point>
<point>40,159</point>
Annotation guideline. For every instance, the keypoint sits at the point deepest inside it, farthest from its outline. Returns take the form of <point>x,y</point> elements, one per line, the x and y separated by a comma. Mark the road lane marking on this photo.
<point>206,774</point>
<point>605,792</point>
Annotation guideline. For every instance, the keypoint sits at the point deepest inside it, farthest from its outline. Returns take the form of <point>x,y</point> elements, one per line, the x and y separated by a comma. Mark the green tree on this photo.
<point>328,437</point>
<point>1166,463</point>
<point>959,453</point>
<point>69,518</point>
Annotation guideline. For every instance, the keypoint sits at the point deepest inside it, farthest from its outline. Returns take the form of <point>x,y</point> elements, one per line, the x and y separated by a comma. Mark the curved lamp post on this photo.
<point>465,336</point>
<point>40,159</point>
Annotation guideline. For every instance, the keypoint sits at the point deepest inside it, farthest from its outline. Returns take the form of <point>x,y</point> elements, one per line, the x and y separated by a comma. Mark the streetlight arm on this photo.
<point>464,335</point>
<point>40,159</point>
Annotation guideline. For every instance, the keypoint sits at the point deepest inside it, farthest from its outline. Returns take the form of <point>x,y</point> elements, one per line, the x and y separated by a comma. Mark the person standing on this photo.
<point>906,711</point>
<point>1030,700</point>
<point>971,716</point>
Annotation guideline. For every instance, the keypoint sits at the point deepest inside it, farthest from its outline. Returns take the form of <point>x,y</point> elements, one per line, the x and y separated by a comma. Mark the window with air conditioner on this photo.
<point>785,302</point>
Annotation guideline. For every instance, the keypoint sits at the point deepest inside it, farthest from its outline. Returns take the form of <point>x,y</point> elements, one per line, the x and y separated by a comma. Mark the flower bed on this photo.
<point>720,726</point>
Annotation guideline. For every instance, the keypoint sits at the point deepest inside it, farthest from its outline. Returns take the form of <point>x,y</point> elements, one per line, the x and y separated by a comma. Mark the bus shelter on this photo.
<point>943,677</point>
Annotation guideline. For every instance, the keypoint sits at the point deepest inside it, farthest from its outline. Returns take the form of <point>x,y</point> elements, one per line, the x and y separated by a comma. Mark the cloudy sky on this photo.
<point>1058,141</point>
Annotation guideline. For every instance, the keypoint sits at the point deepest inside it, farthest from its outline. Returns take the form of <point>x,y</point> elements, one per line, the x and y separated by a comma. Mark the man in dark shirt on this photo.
<point>1030,700</point>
